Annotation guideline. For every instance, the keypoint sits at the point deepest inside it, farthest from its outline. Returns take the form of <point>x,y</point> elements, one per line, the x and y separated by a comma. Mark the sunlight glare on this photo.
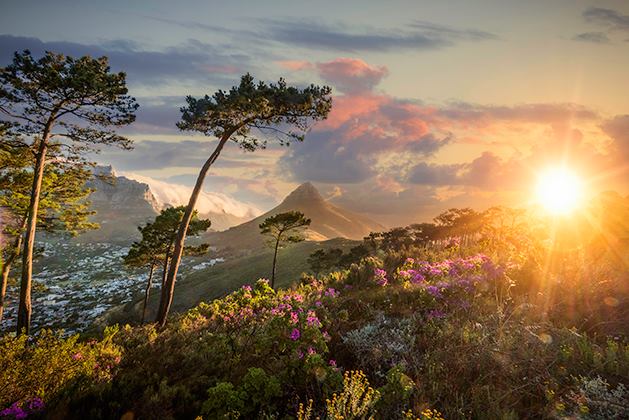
<point>559,190</point>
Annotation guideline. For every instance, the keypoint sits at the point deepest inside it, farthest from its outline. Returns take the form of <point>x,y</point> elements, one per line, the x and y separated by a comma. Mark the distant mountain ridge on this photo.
<point>328,221</point>
<point>122,204</point>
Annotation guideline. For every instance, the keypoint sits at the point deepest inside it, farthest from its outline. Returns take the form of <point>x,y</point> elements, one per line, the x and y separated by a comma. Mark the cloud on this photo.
<point>609,18</point>
<point>416,36</point>
<point>433,174</point>
<point>351,75</point>
<point>617,129</point>
<point>192,60</point>
<point>156,154</point>
<point>542,113</point>
<point>208,202</point>
<point>592,37</point>
<point>295,65</point>
<point>361,131</point>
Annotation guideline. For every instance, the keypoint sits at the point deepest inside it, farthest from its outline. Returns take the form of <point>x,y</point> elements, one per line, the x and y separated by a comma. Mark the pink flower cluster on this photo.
<point>21,410</point>
<point>450,275</point>
<point>380,276</point>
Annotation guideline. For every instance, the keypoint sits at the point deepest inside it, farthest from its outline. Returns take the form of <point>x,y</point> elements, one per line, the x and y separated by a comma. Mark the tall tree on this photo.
<point>63,206</point>
<point>247,114</point>
<point>156,245</point>
<point>283,228</point>
<point>64,102</point>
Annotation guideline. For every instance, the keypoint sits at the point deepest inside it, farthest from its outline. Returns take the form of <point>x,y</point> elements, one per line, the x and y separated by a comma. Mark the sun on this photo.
<point>559,190</point>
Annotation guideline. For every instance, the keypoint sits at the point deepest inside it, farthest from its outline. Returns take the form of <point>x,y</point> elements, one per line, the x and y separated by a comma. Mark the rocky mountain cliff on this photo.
<point>328,221</point>
<point>122,204</point>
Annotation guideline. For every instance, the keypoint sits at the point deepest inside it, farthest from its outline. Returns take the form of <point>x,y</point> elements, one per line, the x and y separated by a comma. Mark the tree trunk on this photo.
<point>147,292</point>
<point>277,244</point>
<point>6,269</point>
<point>162,298</point>
<point>183,230</point>
<point>24,308</point>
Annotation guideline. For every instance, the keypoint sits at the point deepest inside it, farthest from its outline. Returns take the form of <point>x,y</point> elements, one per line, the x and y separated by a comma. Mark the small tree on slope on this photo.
<point>156,245</point>
<point>283,228</point>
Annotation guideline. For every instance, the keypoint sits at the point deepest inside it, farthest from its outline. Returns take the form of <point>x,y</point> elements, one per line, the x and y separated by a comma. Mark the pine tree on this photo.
<point>64,103</point>
<point>283,228</point>
<point>156,245</point>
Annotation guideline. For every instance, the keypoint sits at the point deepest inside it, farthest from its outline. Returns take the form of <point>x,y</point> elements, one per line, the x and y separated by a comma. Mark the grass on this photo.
<point>221,279</point>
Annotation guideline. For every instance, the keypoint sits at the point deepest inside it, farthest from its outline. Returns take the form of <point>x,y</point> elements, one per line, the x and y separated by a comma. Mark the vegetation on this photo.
<point>500,314</point>
<point>156,245</point>
<point>246,114</point>
<point>60,103</point>
<point>63,206</point>
<point>279,228</point>
<point>484,329</point>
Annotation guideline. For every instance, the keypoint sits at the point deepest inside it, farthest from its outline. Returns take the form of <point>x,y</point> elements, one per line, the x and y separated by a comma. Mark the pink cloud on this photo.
<point>351,75</point>
<point>295,65</point>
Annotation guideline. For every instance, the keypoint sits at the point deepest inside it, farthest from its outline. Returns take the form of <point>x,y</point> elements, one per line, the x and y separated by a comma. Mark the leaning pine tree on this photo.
<point>67,103</point>
<point>247,114</point>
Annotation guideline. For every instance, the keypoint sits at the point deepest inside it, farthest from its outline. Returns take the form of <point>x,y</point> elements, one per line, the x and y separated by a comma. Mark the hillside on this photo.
<point>405,337</point>
<point>220,279</point>
<point>328,221</point>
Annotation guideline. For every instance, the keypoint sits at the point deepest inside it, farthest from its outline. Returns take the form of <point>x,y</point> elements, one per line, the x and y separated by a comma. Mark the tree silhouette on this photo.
<point>279,228</point>
<point>63,206</point>
<point>247,115</point>
<point>60,102</point>
<point>156,245</point>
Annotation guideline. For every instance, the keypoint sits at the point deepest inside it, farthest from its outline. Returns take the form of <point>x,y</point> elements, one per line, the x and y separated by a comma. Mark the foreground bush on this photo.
<point>401,335</point>
<point>49,366</point>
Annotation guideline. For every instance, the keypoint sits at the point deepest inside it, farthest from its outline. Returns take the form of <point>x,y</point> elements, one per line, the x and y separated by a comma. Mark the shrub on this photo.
<point>381,344</point>
<point>37,370</point>
<point>355,401</point>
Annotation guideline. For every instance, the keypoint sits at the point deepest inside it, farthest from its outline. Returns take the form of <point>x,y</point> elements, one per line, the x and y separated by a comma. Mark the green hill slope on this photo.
<point>221,279</point>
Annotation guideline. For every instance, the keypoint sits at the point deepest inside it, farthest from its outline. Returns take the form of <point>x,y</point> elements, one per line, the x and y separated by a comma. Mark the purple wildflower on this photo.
<point>418,278</point>
<point>381,277</point>
<point>435,314</point>
<point>331,292</point>
<point>434,291</point>
<point>295,334</point>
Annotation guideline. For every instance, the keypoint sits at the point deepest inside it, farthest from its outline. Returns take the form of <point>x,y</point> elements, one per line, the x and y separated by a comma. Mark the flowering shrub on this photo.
<point>446,328</point>
<point>258,320</point>
<point>37,371</point>
<point>21,410</point>
<point>355,401</point>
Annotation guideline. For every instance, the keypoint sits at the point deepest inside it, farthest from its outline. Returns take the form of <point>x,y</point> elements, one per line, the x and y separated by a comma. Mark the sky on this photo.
<point>436,104</point>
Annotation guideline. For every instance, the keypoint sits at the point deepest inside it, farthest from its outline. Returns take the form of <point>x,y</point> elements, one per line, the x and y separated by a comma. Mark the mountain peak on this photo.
<point>305,192</point>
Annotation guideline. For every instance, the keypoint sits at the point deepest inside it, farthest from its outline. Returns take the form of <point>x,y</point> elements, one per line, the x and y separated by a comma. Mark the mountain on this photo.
<point>328,221</point>
<point>121,205</point>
